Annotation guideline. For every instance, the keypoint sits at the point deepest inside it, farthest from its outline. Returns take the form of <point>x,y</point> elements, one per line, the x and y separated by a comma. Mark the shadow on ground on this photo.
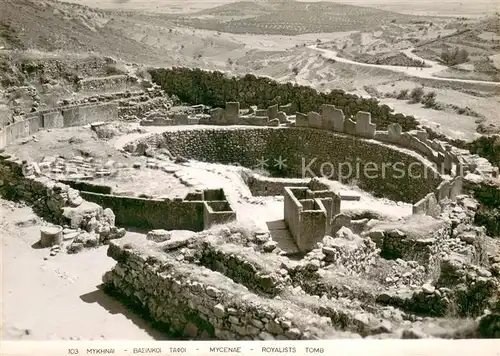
<point>281,235</point>
<point>113,306</point>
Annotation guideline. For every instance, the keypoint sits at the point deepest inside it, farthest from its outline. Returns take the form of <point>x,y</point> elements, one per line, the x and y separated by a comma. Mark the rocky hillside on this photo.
<point>48,25</point>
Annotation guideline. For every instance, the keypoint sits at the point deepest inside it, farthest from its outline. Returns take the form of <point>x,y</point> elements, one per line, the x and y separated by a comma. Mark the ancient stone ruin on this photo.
<point>328,259</point>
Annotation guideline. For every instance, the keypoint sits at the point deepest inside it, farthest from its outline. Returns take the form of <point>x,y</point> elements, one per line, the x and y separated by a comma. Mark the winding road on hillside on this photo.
<point>426,72</point>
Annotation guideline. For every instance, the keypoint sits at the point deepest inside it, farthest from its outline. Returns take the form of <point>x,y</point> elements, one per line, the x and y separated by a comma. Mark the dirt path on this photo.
<point>426,73</point>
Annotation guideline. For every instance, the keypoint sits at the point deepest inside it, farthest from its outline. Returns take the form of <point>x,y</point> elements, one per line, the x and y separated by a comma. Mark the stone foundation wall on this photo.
<point>82,115</point>
<point>112,83</point>
<point>78,115</point>
<point>168,214</point>
<point>57,203</point>
<point>297,145</point>
<point>265,186</point>
<point>243,267</point>
<point>307,217</point>
<point>150,213</point>
<point>189,301</point>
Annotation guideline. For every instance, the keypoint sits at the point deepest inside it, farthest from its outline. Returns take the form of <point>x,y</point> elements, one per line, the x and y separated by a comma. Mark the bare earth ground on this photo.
<point>56,297</point>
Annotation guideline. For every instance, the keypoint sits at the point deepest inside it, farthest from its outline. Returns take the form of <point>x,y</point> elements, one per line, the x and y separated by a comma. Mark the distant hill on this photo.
<point>288,17</point>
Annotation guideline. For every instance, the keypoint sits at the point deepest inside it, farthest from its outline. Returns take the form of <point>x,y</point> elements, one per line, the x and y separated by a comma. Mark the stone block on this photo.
<point>338,120</point>
<point>232,112</point>
<point>382,136</point>
<point>51,235</point>
<point>439,161</point>
<point>254,120</point>
<point>314,120</point>
<point>272,111</point>
<point>364,126</point>
<point>180,119</point>
<point>456,188</point>
<point>419,146</point>
<point>422,135</point>
<point>53,120</point>
<point>282,117</point>
<point>394,131</point>
<point>405,140</point>
<point>301,120</point>
<point>443,191</point>
<point>428,206</point>
<point>419,207</point>
<point>35,123</point>
<point>433,207</point>
<point>274,122</point>
<point>327,114</point>
<point>349,127</point>
<point>217,116</point>
<point>339,221</point>
<point>259,121</point>
<point>287,109</point>
<point>447,163</point>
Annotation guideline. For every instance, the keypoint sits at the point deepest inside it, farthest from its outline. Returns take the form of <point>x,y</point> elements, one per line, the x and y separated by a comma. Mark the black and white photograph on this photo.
<point>271,171</point>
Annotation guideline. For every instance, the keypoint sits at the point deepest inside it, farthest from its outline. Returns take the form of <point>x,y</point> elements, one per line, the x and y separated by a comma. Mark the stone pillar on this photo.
<point>272,112</point>
<point>327,114</point>
<point>301,120</point>
<point>394,131</point>
<point>314,120</point>
<point>364,126</point>
<point>232,112</point>
<point>338,120</point>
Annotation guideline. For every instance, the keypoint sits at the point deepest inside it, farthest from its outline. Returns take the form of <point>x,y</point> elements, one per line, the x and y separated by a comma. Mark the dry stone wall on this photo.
<point>447,159</point>
<point>169,214</point>
<point>214,89</point>
<point>191,301</point>
<point>109,83</point>
<point>298,146</point>
<point>78,115</point>
<point>58,203</point>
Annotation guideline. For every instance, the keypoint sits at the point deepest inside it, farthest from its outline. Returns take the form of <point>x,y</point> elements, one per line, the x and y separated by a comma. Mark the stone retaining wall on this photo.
<point>58,203</point>
<point>298,146</point>
<point>168,214</point>
<point>190,301</point>
<point>78,115</point>
<point>110,83</point>
<point>214,89</point>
